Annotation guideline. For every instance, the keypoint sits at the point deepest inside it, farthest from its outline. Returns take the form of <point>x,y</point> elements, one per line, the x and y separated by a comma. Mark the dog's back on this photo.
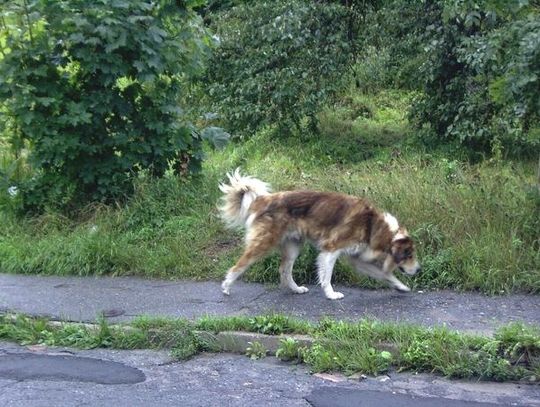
<point>326,218</point>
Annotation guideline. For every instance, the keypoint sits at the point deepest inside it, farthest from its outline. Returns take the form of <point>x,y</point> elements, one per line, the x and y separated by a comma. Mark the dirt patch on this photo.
<point>221,246</point>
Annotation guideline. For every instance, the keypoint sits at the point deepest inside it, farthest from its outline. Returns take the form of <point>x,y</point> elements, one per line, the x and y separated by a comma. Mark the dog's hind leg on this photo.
<point>325,264</point>
<point>289,252</point>
<point>375,272</point>
<point>255,249</point>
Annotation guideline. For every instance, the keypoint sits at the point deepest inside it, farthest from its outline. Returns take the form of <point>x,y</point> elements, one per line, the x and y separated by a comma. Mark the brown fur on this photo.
<point>332,221</point>
<point>335,223</point>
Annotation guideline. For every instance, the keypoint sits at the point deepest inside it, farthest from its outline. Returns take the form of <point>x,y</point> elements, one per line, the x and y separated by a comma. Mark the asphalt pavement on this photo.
<point>123,298</point>
<point>32,376</point>
<point>223,380</point>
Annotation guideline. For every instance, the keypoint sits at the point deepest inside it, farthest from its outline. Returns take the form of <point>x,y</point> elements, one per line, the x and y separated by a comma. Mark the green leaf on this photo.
<point>216,135</point>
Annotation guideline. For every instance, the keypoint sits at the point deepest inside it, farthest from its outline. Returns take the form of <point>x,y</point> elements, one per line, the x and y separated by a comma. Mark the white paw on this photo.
<point>402,288</point>
<point>225,288</point>
<point>301,290</point>
<point>334,295</point>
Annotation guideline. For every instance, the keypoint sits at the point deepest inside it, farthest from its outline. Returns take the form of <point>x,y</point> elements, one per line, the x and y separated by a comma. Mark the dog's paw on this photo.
<point>334,296</point>
<point>402,288</point>
<point>225,289</point>
<point>301,290</point>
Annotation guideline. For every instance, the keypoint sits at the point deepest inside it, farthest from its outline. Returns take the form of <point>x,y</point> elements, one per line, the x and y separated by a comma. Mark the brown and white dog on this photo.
<point>335,223</point>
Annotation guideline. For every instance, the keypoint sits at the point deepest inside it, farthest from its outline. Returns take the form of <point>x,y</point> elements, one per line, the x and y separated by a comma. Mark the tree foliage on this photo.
<point>93,90</point>
<point>277,62</point>
<point>482,77</point>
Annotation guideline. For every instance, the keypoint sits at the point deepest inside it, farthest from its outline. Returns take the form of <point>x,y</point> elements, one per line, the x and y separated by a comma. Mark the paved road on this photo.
<point>36,376</point>
<point>83,299</point>
<point>152,378</point>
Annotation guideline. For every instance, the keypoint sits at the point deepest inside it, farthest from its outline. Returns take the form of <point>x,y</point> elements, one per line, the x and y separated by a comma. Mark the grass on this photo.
<point>366,346</point>
<point>272,324</point>
<point>476,223</point>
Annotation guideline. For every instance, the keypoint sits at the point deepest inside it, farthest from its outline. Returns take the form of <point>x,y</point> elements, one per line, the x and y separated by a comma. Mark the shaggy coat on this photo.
<point>335,223</point>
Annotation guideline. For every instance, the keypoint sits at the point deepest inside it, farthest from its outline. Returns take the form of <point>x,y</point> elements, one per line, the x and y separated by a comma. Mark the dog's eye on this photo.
<point>408,253</point>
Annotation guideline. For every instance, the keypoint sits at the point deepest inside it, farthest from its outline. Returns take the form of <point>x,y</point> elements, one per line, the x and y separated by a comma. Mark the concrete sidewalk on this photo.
<point>123,298</point>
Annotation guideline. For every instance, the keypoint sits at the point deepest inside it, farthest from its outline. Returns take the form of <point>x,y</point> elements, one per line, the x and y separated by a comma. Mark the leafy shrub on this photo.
<point>391,45</point>
<point>277,62</point>
<point>92,88</point>
<point>481,79</point>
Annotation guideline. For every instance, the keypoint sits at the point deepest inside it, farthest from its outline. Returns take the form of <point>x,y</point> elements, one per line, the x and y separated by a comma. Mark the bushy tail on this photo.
<point>239,193</point>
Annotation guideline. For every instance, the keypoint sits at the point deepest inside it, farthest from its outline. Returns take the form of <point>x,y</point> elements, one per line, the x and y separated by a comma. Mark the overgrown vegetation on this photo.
<point>93,91</point>
<point>482,76</point>
<point>476,224</point>
<point>429,109</point>
<point>367,346</point>
<point>277,62</point>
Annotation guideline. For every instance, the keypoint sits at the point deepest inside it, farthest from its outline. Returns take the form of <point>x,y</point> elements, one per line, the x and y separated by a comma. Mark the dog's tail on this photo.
<point>238,196</point>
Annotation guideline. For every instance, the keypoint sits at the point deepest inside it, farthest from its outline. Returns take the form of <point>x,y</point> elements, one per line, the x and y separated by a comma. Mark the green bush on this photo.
<point>92,89</point>
<point>391,45</point>
<point>277,62</point>
<point>482,76</point>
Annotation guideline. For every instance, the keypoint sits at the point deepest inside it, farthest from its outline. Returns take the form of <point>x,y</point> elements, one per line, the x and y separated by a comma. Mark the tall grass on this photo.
<point>476,224</point>
<point>162,232</point>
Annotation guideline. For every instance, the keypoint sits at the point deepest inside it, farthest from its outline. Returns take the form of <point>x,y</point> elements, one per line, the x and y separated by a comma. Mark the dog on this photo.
<point>337,224</point>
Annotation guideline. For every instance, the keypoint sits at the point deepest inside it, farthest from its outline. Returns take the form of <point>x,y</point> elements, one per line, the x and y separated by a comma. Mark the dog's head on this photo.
<point>404,255</point>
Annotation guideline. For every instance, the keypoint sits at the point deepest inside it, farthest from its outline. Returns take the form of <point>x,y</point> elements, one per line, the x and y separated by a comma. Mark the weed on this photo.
<point>367,346</point>
<point>290,351</point>
<point>274,324</point>
<point>256,350</point>
<point>220,324</point>
<point>350,348</point>
<point>520,343</point>
<point>271,324</point>
<point>321,359</point>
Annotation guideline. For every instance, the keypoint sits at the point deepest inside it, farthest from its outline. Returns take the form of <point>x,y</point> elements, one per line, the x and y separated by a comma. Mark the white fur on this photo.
<point>238,197</point>
<point>326,262</point>
<point>250,188</point>
<point>375,272</point>
<point>290,251</point>
<point>355,250</point>
<point>392,222</point>
<point>369,254</point>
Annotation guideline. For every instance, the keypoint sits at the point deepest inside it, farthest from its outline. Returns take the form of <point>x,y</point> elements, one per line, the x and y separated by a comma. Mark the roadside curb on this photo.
<point>239,341</point>
<point>224,341</point>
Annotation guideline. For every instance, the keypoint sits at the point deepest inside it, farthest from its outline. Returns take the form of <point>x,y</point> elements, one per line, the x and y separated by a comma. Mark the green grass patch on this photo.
<point>375,347</point>
<point>26,331</point>
<point>271,324</point>
<point>476,223</point>
<point>366,346</point>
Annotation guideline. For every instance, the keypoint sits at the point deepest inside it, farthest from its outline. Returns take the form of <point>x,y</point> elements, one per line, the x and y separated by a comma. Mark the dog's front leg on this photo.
<point>325,263</point>
<point>375,272</point>
<point>388,269</point>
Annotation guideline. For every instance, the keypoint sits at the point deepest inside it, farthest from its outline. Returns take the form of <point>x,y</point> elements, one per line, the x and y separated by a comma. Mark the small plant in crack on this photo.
<point>256,350</point>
